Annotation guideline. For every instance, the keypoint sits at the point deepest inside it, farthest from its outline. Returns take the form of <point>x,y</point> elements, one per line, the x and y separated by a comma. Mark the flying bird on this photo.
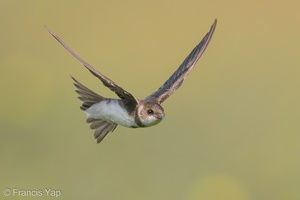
<point>105,114</point>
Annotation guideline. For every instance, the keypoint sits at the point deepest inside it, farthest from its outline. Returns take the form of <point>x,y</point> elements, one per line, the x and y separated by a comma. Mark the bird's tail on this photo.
<point>87,96</point>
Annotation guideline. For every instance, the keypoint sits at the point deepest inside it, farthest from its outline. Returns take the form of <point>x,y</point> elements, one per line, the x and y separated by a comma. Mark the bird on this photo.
<point>105,114</point>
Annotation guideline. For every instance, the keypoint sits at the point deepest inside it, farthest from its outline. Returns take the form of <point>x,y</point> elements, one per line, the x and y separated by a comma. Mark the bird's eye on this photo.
<point>150,111</point>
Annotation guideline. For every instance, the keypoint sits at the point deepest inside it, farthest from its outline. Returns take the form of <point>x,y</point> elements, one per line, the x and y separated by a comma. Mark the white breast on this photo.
<point>111,111</point>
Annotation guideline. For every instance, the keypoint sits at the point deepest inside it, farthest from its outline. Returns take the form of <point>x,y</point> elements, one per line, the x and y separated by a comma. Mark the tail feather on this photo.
<point>102,128</point>
<point>87,96</point>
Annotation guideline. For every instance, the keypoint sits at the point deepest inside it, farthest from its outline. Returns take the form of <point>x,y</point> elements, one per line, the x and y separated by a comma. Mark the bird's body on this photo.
<point>111,110</point>
<point>105,114</point>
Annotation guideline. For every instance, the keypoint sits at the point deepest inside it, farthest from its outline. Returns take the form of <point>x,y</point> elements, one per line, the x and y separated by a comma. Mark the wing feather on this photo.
<point>123,94</point>
<point>177,78</point>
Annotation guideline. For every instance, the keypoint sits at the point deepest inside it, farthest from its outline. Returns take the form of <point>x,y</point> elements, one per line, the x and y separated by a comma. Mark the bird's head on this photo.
<point>150,113</point>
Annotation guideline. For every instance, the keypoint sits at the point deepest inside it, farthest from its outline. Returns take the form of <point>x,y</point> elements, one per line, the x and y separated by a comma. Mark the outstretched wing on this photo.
<point>177,78</point>
<point>123,94</point>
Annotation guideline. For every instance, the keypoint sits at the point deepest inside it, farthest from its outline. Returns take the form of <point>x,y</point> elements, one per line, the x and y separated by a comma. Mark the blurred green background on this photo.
<point>231,131</point>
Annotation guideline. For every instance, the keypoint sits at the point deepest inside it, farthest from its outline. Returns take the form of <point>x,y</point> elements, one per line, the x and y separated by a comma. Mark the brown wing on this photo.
<point>123,94</point>
<point>177,78</point>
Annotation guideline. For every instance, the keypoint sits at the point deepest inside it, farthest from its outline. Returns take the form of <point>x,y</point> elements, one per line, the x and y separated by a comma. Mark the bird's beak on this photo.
<point>160,117</point>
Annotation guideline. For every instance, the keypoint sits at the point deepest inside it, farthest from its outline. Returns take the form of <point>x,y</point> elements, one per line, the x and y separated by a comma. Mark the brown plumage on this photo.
<point>105,114</point>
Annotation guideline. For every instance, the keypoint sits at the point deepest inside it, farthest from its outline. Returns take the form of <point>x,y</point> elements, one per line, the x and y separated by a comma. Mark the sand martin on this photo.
<point>105,114</point>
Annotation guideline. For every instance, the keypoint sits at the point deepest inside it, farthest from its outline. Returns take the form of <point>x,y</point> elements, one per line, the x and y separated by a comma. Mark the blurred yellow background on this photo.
<point>231,131</point>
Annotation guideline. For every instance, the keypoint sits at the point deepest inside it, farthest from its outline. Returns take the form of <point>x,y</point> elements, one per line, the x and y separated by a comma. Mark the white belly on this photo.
<point>111,111</point>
